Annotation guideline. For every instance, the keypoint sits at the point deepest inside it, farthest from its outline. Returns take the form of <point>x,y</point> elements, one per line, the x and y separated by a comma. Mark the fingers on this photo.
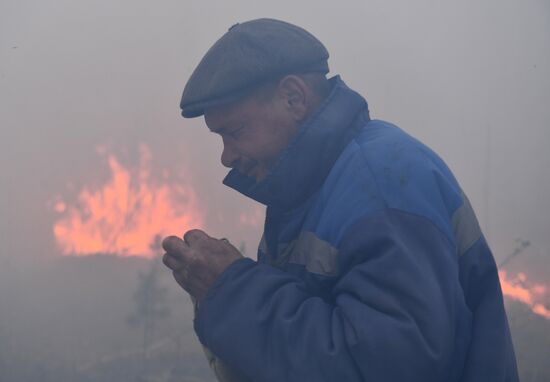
<point>179,270</point>
<point>174,245</point>
<point>172,262</point>
<point>194,235</point>
<point>198,260</point>
<point>181,280</point>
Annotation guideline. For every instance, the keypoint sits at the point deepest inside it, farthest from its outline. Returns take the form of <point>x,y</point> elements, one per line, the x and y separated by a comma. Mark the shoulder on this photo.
<point>385,168</point>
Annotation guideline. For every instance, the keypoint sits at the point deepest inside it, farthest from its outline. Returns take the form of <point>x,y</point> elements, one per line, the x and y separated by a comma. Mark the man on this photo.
<point>372,266</point>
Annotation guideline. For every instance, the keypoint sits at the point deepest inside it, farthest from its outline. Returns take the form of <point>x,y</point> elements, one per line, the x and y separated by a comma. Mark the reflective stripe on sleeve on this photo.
<point>318,256</point>
<point>465,226</point>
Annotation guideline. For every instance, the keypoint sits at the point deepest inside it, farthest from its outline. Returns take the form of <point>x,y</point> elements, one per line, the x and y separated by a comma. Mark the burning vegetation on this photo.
<point>128,215</point>
<point>519,289</point>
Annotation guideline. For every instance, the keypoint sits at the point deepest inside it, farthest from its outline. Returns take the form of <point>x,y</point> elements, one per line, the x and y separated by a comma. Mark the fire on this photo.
<point>128,215</point>
<point>518,290</point>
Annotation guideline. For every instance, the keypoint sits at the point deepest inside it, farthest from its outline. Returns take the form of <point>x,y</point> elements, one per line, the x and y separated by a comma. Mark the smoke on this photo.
<point>129,214</point>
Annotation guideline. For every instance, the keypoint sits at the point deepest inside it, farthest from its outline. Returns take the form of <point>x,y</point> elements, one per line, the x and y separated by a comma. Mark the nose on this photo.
<point>230,156</point>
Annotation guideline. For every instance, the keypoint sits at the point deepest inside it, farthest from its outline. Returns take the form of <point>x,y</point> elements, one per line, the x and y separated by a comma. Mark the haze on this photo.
<point>470,79</point>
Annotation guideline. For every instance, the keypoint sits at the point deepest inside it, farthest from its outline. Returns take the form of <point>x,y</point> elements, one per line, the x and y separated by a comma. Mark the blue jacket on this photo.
<point>372,266</point>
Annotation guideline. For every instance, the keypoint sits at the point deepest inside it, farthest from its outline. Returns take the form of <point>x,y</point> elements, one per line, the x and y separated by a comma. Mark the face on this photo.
<point>254,131</point>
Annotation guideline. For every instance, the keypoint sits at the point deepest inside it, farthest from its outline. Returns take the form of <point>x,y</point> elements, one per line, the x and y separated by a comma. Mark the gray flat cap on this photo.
<point>246,55</point>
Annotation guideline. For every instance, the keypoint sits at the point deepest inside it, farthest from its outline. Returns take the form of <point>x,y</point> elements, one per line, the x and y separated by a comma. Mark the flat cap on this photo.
<point>246,55</point>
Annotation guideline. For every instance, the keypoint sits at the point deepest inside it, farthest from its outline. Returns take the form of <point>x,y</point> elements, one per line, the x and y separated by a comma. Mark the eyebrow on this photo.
<point>226,127</point>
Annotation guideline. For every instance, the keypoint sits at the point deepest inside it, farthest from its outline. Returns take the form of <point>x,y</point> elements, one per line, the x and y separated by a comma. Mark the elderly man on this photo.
<point>372,266</point>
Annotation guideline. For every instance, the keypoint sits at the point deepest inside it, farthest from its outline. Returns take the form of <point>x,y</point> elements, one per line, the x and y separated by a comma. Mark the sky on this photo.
<point>83,82</point>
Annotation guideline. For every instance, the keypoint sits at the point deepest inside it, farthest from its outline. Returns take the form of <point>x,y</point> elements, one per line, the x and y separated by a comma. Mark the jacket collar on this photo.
<point>305,163</point>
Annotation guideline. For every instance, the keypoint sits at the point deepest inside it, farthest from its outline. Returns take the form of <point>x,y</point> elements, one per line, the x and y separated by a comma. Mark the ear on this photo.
<point>296,96</point>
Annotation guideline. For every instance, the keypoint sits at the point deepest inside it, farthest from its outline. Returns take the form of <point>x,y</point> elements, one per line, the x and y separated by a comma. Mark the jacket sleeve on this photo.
<point>391,314</point>
<point>222,371</point>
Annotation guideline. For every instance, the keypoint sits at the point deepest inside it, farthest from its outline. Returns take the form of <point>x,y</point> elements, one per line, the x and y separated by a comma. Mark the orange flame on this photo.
<point>127,216</point>
<point>518,290</point>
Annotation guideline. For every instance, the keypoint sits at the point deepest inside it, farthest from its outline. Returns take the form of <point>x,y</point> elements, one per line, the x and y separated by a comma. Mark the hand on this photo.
<point>198,260</point>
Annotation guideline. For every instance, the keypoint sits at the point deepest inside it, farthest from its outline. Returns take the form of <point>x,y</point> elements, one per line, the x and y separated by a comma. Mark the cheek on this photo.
<point>271,149</point>
<point>282,136</point>
<point>269,138</point>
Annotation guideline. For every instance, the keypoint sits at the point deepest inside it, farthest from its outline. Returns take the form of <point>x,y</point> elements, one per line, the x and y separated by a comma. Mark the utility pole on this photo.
<point>522,245</point>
